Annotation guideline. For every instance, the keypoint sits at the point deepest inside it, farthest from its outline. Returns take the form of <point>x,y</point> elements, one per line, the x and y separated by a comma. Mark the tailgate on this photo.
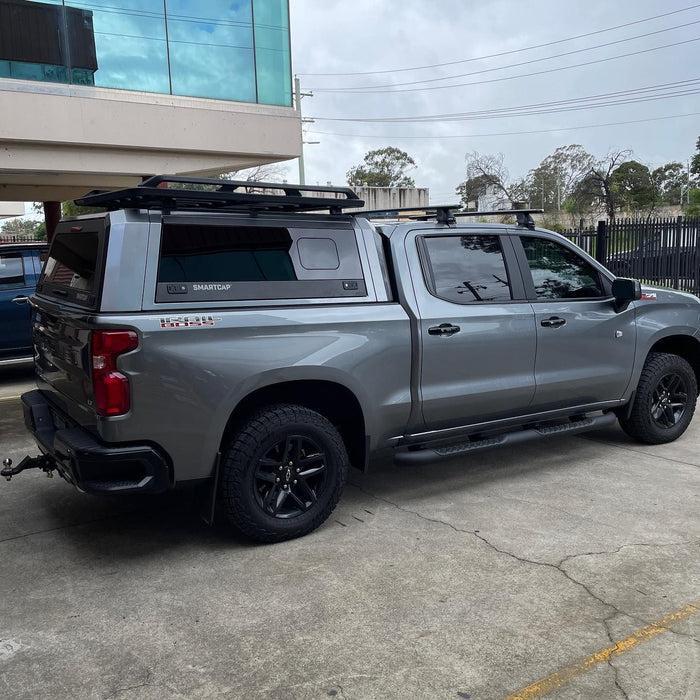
<point>62,358</point>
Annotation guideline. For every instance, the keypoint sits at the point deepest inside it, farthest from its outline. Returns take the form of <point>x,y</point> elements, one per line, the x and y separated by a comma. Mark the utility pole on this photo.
<point>298,94</point>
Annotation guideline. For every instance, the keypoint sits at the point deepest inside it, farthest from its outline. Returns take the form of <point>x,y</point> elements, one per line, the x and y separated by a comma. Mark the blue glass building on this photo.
<point>100,93</point>
<point>220,49</point>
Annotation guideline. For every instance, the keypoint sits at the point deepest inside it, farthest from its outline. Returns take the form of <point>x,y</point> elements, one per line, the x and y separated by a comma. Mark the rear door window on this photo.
<point>11,271</point>
<point>467,269</point>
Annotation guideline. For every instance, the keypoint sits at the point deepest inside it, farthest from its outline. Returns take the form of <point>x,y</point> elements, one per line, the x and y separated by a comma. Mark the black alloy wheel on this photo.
<point>291,476</point>
<point>669,400</point>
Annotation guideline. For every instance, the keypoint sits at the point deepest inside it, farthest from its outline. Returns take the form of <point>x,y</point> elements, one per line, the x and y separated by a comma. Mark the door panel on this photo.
<point>15,329</point>
<point>477,345</point>
<point>588,359</point>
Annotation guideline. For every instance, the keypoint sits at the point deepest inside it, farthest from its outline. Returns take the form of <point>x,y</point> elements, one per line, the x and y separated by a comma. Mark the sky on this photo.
<point>412,58</point>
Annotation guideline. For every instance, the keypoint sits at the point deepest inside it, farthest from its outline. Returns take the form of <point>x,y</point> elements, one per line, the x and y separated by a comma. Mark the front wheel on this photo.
<point>283,473</point>
<point>665,400</point>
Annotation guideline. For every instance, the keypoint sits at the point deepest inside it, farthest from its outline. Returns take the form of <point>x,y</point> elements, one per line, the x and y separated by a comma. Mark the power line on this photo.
<point>603,99</point>
<point>506,53</point>
<point>521,75</point>
<point>378,88</point>
<point>505,133</point>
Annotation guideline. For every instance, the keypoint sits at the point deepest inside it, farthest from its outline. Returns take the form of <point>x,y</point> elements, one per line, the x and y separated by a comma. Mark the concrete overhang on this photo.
<point>57,142</point>
<point>10,209</point>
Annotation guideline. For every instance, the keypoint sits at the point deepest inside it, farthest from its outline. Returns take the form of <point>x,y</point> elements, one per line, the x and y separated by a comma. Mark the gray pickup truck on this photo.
<point>255,344</point>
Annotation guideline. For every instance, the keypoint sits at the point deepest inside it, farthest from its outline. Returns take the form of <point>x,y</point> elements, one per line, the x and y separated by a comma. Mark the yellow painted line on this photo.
<point>567,674</point>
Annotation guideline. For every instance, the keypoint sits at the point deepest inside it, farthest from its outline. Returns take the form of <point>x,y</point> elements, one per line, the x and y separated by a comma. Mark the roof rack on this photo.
<point>522,215</point>
<point>441,212</point>
<point>225,195</point>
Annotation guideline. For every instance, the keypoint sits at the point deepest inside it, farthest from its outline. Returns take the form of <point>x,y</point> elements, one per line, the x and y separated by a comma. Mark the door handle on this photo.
<point>21,299</point>
<point>444,329</point>
<point>553,322</point>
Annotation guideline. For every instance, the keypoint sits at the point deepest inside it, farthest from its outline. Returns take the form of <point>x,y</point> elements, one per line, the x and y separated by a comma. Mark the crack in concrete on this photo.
<point>558,567</point>
<point>144,684</point>
<point>614,669</point>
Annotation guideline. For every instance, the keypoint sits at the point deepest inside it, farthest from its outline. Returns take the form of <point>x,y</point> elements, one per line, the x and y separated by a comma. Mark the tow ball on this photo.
<point>40,462</point>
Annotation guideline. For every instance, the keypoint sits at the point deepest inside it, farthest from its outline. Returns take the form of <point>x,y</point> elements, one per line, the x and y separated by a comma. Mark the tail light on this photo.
<point>111,387</point>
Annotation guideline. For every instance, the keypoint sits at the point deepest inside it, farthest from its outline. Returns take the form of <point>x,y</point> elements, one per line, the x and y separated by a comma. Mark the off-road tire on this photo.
<point>664,402</point>
<point>283,452</point>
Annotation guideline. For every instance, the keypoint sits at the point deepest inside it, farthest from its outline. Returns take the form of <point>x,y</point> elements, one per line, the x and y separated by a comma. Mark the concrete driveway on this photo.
<point>568,568</point>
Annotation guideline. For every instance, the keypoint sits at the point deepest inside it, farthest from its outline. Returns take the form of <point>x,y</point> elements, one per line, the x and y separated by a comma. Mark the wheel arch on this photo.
<point>685,346</point>
<point>334,401</point>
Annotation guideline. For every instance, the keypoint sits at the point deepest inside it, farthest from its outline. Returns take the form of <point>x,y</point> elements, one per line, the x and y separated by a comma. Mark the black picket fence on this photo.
<point>664,252</point>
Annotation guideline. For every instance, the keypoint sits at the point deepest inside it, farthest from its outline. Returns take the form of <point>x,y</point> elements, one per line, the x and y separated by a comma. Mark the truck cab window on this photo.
<point>558,272</point>
<point>467,269</point>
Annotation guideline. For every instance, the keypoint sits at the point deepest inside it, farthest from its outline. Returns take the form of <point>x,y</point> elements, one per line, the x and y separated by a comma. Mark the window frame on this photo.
<point>527,277</point>
<point>510,261</point>
<point>310,284</point>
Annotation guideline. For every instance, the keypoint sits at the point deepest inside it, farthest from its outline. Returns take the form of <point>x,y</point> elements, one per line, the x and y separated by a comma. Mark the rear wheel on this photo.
<point>665,400</point>
<point>283,473</point>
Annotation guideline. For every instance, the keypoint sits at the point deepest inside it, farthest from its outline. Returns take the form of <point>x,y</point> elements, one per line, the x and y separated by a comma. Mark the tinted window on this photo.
<point>72,261</point>
<point>468,268</point>
<point>217,254</point>
<point>11,271</point>
<point>558,272</point>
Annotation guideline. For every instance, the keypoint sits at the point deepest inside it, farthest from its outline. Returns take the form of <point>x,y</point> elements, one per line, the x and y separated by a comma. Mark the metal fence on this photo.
<point>7,238</point>
<point>664,251</point>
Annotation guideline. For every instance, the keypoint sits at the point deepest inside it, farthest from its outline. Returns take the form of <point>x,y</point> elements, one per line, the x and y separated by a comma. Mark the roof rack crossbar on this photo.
<point>441,212</point>
<point>523,216</point>
<point>224,195</point>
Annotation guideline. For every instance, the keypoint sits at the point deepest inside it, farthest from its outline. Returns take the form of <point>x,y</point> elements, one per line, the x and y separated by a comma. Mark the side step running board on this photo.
<point>427,455</point>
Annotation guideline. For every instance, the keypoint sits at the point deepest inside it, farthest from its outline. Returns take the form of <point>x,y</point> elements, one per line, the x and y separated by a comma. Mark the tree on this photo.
<point>693,206</point>
<point>471,189</point>
<point>600,183</point>
<point>555,179</point>
<point>633,186</point>
<point>670,183</point>
<point>384,167</point>
<point>491,174</point>
<point>20,227</point>
<point>695,161</point>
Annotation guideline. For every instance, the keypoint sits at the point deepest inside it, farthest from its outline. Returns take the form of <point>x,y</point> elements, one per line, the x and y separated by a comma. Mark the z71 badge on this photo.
<point>187,321</point>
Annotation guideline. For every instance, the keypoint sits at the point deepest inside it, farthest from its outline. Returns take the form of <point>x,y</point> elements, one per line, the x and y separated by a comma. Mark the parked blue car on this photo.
<point>20,266</point>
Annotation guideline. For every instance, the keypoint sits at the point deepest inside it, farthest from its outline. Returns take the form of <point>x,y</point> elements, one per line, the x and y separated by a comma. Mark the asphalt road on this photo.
<point>568,568</point>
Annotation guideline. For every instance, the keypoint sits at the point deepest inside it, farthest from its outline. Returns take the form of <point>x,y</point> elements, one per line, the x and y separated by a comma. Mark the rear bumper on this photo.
<point>87,463</point>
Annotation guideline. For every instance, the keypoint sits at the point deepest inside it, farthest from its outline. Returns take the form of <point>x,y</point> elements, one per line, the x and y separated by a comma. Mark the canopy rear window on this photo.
<point>72,269</point>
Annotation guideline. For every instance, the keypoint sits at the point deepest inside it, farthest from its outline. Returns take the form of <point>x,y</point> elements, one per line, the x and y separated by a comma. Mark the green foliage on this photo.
<point>555,180</point>
<point>693,207</point>
<point>383,167</point>
<point>70,208</point>
<point>695,161</point>
<point>471,189</point>
<point>632,184</point>
<point>669,182</point>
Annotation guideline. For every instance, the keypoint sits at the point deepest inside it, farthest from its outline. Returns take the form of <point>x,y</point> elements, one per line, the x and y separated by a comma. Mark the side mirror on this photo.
<point>625,290</point>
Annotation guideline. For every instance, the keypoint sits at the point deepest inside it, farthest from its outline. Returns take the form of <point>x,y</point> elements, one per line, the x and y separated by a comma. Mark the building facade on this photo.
<point>98,94</point>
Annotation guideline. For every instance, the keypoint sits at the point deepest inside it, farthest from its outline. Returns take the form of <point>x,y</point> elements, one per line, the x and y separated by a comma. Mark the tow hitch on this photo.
<point>41,462</point>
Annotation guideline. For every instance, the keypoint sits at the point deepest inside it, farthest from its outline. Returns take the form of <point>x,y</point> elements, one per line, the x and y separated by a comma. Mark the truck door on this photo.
<point>15,288</point>
<point>476,332</point>
<point>585,348</point>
